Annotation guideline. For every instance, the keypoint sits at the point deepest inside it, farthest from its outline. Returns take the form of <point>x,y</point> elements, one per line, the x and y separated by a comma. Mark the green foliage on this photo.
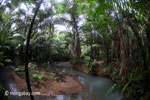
<point>115,74</point>
<point>87,58</point>
<point>54,76</point>
<point>130,85</point>
<point>104,69</point>
<point>19,68</point>
<point>112,89</point>
<point>95,61</point>
<point>125,87</point>
<point>4,47</point>
<point>38,43</point>
<point>100,26</point>
<point>85,50</point>
<point>140,5</point>
<point>38,76</point>
<point>133,85</point>
<point>32,65</point>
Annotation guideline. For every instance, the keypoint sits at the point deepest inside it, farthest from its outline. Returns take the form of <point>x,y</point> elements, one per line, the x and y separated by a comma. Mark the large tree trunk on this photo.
<point>76,50</point>
<point>27,52</point>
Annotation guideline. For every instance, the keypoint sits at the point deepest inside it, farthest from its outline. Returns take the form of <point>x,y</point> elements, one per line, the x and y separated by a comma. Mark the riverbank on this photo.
<point>96,69</point>
<point>47,81</point>
<point>93,87</point>
<point>130,83</point>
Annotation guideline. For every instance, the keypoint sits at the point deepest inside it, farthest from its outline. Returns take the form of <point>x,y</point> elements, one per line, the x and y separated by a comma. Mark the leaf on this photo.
<point>34,36</point>
<point>125,86</point>
<point>94,61</point>
<point>111,89</point>
<point>18,35</point>
<point>35,76</point>
<point>87,58</point>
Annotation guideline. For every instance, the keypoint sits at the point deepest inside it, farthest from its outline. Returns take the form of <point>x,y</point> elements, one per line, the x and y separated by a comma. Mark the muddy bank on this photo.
<point>51,84</point>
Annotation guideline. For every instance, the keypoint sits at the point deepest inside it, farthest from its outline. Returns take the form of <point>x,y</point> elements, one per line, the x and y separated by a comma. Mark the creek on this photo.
<point>96,86</point>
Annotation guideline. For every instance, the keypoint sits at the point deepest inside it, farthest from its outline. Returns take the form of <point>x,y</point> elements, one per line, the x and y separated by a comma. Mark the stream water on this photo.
<point>96,87</point>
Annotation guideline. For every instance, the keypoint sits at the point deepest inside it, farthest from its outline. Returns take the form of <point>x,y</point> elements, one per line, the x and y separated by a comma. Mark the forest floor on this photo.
<point>48,82</point>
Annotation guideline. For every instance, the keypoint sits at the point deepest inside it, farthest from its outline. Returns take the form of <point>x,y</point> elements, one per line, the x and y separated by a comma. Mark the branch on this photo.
<point>26,52</point>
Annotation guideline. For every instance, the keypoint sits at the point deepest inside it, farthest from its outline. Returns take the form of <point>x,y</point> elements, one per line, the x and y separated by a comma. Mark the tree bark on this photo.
<point>76,41</point>
<point>123,61</point>
<point>27,52</point>
<point>112,44</point>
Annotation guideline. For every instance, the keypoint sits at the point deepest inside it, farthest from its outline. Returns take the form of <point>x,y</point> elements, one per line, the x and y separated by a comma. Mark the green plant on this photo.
<point>94,61</point>
<point>90,68</point>
<point>87,58</point>
<point>128,82</point>
<point>54,76</point>
<point>115,74</point>
<point>5,47</point>
<point>33,67</point>
<point>38,76</point>
<point>112,89</point>
<point>104,69</point>
<point>132,83</point>
<point>19,69</point>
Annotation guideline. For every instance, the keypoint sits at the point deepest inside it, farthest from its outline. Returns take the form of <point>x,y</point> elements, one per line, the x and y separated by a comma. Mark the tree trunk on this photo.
<point>123,61</point>
<point>141,47</point>
<point>76,50</point>
<point>128,49</point>
<point>147,30</point>
<point>27,52</point>
<point>112,44</point>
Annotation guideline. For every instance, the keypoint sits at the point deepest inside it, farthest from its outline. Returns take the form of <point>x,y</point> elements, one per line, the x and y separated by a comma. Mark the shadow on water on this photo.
<point>96,87</point>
